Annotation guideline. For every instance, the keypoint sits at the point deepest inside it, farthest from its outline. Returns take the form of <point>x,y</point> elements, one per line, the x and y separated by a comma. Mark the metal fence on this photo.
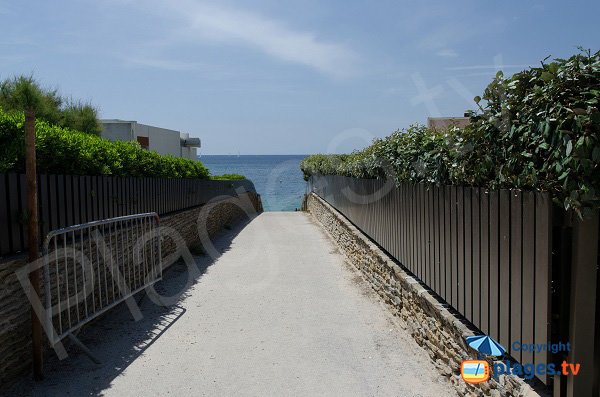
<point>90,268</point>
<point>66,200</point>
<point>512,264</point>
<point>486,253</point>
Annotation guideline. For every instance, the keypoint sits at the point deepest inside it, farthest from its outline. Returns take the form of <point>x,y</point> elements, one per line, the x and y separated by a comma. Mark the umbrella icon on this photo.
<point>486,345</point>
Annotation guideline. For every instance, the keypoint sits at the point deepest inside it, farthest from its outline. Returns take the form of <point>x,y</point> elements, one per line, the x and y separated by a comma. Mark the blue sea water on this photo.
<point>277,179</point>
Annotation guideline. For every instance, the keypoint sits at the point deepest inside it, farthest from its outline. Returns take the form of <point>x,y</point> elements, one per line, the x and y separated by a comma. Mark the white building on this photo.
<point>160,140</point>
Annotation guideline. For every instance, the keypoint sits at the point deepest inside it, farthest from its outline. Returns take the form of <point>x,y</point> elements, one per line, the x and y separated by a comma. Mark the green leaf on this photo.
<point>547,76</point>
<point>569,148</point>
<point>596,154</point>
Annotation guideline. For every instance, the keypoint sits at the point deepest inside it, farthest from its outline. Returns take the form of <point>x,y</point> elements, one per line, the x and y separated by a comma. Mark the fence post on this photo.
<point>32,237</point>
<point>583,301</point>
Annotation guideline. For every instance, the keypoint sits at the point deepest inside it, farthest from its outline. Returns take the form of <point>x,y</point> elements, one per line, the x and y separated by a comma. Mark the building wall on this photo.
<point>446,122</point>
<point>162,140</point>
<point>15,312</point>
<point>117,132</point>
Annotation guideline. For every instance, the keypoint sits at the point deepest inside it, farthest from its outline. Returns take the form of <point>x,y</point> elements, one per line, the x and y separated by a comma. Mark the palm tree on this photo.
<point>24,94</point>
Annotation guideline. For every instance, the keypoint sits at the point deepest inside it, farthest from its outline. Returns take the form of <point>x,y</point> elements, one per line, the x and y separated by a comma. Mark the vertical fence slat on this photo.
<point>454,245</point>
<point>13,212</point>
<point>75,200</point>
<point>61,200</point>
<point>52,202</point>
<point>43,205</point>
<point>23,210</point>
<point>516,275</point>
<point>83,198</point>
<point>403,230</point>
<point>4,219</point>
<point>584,266</point>
<point>422,251</point>
<point>468,254</point>
<point>504,303</point>
<point>494,251</point>
<point>430,238</point>
<point>439,238</point>
<point>484,244</point>
<point>528,268</point>
<point>475,256</point>
<point>543,258</point>
<point>96,198</point>
<point>414,224</point>
<point>69,207</point>
<point>448,244</point>
<point>460,247</point>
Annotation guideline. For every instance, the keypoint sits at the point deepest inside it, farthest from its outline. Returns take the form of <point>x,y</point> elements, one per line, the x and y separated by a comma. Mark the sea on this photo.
<point>277,178</point>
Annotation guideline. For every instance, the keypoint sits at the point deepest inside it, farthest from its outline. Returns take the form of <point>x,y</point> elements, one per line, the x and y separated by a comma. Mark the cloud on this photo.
<point>447,53</point>
<point>202,22</point>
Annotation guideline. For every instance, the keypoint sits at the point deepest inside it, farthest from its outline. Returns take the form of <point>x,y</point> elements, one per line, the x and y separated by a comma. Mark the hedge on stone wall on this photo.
<point>228,177</point>
<point>538,129</point>
<point>64,151</point>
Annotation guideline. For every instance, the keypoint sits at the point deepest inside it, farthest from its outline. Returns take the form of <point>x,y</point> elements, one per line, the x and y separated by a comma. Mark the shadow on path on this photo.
<point>117,339</point>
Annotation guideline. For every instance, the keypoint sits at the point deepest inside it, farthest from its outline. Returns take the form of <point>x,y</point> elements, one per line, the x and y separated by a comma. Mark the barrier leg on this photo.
<point>84,349</point>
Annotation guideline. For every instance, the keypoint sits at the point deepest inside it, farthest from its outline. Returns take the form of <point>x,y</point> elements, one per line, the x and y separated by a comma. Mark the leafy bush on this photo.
<point>538,129</point>
<point>228,177</point>
<point>65,151</point>
<point>50,106</point>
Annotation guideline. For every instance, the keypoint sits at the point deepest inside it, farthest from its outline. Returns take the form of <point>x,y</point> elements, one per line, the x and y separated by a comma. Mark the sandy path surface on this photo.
<point>279,313</point>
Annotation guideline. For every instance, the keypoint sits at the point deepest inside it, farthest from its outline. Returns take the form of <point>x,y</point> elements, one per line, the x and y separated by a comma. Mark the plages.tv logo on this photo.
<point>475,371</point>
<point>478,371</point>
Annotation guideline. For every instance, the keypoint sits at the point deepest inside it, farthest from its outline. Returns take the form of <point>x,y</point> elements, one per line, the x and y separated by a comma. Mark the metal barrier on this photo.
<point>90,268</point>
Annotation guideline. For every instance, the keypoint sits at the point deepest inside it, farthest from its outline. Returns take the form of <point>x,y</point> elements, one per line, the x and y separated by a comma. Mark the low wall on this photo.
<point>440,332</point>
<point>15,313</point>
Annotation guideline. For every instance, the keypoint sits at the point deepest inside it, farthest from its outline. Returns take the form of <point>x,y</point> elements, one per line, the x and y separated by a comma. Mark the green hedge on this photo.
<point>64,151</point>
<point>228,177</point>
<point>538,129</point>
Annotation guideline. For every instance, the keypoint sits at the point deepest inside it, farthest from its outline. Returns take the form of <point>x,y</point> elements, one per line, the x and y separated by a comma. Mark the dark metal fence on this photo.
<point>486,253</point>
<point>502,259</point>
<point>66,200</point>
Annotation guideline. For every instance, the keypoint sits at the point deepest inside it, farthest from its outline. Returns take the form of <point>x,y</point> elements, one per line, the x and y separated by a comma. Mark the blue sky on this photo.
<point>284,77</point>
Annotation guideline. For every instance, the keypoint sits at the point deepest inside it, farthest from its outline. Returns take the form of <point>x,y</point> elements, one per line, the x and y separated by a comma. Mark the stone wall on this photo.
<point>15,312</point>
<point>435,328</point>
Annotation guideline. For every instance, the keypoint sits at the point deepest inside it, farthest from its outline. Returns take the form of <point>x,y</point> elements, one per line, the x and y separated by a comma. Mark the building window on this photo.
<point>144,142</point>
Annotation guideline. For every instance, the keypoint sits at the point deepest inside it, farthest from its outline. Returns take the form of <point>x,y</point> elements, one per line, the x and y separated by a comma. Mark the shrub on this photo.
<point>228,177</point>
<point>51,107</point>
<point>538,129</point>
<point>65,151</point>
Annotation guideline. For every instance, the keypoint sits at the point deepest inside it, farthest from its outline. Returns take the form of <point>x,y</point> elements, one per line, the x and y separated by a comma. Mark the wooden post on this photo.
<point>583,300</point>
<point>33,238</point>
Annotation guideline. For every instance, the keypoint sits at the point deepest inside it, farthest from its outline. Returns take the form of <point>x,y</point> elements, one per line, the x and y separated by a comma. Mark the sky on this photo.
<point>284,77</point>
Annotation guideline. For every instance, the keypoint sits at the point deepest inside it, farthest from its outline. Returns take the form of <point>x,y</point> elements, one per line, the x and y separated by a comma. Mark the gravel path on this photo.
<point>279,313</point>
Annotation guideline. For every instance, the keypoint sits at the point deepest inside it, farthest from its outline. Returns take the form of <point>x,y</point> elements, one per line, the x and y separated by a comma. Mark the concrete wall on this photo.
<point>117,132</point>
<point>15,313</point>
<point>161,140</point>
<point>440,332</point>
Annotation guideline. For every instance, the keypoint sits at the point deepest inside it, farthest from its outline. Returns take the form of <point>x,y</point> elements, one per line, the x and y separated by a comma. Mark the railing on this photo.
<point>66,200</point>
<point>514,266</point>
<point>90,268</point>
